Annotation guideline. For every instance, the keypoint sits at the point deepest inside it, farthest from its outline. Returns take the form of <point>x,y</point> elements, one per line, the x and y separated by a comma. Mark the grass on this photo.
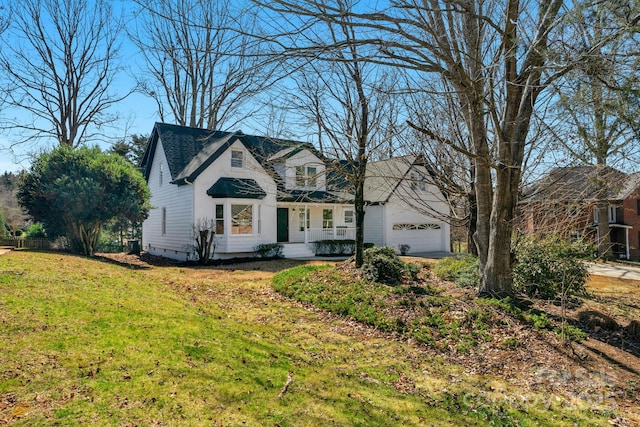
<point>89,342</point>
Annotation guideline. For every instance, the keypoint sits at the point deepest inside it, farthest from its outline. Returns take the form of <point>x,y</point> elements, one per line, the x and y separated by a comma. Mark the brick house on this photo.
<point>563,202</point>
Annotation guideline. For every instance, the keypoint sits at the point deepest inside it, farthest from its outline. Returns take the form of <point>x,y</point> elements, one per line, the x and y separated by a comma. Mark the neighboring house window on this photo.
<point>327,218</point>
<point>241,219</point>
<point>161,172</point>
<point>219,219</point>
<point>638,207</point>
<point>612,214</point>
<point>301,219</point>
<point>300,176</point>
<point>164,221</point>
<point>348,217</point>
<point>237,158</point>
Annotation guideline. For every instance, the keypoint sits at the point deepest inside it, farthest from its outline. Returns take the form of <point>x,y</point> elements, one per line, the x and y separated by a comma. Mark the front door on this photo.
<point>283,224</point>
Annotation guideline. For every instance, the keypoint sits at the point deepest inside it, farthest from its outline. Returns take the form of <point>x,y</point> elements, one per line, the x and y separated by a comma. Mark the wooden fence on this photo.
<point>21,243</point>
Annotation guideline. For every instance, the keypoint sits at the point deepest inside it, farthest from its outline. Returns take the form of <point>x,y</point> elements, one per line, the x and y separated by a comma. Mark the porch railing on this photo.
<point>338,233</point>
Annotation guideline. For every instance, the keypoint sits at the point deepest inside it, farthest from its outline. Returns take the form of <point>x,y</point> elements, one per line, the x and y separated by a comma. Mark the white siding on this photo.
<point>178,202</point>
<point>264,210</point>
<point>304,158</point>
<point>401,211</point>
<point>374,225</point>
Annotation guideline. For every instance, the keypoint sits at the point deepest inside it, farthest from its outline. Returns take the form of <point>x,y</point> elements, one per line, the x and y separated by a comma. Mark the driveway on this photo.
<point>618,271</point>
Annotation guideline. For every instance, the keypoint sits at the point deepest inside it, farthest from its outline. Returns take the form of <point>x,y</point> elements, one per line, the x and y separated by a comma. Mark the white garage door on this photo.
<point>421,237</point>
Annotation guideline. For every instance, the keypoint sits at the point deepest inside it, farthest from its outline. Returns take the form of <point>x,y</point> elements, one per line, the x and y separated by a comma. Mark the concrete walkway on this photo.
<point>5,249</point>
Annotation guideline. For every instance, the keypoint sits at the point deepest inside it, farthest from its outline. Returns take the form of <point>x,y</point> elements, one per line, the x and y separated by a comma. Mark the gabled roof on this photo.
<point>181,144</point>
<point>189,151</point>
<point>236,188</point>
<point>631,187</point>
<point>575,183</point>
<point>384,176</point>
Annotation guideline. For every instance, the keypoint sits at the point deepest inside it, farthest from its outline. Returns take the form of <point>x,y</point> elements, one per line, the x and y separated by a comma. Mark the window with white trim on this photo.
<point>611,213</point>
<point>312,176</point>
<point>348,217</point>
<point>423,226</point>
<point>300,178</point>
<point>418,181</point>
<point>164,221</point>
<point>327,218</point>
<point>219,219</point>
<point>302,218</point>
<point>306,176</point>
<point>237,158</point>
<point>241,219</point>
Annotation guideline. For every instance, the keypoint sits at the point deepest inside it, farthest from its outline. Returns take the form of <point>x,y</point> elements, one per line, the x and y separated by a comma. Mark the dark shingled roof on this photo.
<point>189,151</point>
<point>574,183</point>
<point>238,188</point>
<point>311,196</point>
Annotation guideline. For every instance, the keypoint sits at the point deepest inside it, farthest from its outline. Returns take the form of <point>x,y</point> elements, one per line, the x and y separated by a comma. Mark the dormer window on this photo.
<point>300,176</point>
<point>311,176</point>
<point>306,176</point>
<point>237,158</point>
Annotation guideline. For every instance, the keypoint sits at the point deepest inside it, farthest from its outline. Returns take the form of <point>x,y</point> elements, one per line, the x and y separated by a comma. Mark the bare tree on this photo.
<point>341,94</point>
<point>494,56</point>
<point>596,99</point>
<point>452,170</point>
<point>201,71</point>
<point>59,64</point>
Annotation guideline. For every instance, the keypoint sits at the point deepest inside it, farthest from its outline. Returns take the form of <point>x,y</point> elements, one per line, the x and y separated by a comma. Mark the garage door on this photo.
<point>421,237</point>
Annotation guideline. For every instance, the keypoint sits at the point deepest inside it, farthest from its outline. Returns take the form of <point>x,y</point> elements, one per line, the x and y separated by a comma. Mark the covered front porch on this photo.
<point>312,222</point>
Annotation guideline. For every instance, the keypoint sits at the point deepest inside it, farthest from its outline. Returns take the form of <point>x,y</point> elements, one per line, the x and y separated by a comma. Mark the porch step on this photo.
<point>297,250</point>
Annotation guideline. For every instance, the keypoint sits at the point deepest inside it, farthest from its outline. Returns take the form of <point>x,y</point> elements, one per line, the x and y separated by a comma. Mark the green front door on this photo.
<point>283,224</point>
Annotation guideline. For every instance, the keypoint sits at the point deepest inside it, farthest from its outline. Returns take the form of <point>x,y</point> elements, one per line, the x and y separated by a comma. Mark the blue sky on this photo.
<point>137,112</point>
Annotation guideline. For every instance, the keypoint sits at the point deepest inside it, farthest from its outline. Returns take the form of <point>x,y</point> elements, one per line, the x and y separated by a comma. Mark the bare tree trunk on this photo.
<point>359,208</point>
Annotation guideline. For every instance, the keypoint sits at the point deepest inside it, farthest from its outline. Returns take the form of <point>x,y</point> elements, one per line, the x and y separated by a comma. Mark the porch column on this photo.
<point>626,237</point>
<point>333,219</point>
<point>306,231</point>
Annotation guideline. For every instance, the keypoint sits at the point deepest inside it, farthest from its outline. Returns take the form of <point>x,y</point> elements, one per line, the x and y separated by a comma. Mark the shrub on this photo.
<point>550,268</point>
<point>36,231</point>
<point>381,264</point>
<point>411,270</point>
<point>335,247</point>
<point>269,250</point>
<point>108,243</point>
<point>461,270</point>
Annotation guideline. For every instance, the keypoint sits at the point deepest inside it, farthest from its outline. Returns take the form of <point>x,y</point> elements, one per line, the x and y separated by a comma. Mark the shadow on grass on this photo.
<point>146,261</point>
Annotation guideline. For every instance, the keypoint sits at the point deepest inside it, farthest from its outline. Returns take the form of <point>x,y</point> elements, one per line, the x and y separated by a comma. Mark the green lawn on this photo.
<point>86,342</point>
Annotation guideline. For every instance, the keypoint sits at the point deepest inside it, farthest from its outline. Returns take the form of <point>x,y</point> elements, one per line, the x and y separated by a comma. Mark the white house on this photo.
<point>264,190</point>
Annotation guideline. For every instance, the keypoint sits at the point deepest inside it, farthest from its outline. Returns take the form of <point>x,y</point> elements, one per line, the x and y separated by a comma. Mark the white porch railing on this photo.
<point>337,233</point>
